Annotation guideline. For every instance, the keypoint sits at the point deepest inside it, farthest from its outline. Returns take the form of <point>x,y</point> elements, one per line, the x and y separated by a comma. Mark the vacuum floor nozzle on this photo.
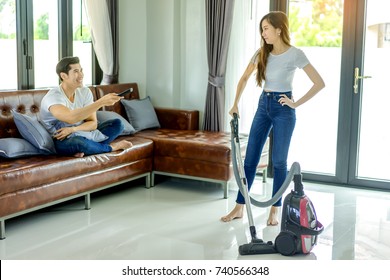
<point>257,248</point>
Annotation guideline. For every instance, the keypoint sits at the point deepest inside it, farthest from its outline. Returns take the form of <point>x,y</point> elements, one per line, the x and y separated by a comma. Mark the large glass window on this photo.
<point>341,135</point>
<point>30,32</point>
<point>374,135</point>
<point>45,42</point>
<point>8,71</point>
<point>82,44</point>
<point>316,28</point>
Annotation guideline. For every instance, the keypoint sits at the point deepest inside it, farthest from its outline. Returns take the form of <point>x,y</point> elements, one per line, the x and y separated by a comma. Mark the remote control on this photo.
<point>124,92</point>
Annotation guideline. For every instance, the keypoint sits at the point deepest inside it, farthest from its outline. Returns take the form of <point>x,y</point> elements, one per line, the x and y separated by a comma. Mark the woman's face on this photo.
<point>269,33</point>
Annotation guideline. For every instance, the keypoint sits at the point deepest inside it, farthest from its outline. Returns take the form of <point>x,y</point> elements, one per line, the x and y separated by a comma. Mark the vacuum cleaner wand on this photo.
<point>242,178</point>
<point>257,245</point>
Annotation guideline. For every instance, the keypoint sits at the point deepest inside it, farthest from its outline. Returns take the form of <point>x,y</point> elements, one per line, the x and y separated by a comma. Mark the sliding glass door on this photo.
<point>371,133</point>
<point>317,29</point>
<point>342,134</point>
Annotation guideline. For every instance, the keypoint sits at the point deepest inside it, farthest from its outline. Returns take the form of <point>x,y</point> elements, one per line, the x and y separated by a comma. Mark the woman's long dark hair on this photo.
<point>277,20</point>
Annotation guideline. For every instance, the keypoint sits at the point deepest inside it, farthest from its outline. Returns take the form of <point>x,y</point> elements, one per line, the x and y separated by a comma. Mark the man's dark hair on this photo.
<point>64,65</point>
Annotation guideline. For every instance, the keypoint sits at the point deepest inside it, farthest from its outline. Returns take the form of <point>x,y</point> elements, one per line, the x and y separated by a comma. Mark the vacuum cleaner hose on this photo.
<point>239,173</point>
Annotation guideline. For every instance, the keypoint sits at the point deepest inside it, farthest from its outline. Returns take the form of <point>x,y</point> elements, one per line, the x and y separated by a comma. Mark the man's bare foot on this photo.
<point>273,216</point>
<point>121,145</point>
<point>236,213</point>
<point>79,155</point>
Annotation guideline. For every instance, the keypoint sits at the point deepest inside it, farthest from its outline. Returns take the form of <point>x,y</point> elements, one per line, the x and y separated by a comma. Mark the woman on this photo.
<point>275,62</point>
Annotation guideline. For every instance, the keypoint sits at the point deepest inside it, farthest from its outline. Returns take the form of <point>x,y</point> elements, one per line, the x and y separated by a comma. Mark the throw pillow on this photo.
<point>16,147</point>
<point>141,113</point>
<point>32,130</point>
<point>103,116</point>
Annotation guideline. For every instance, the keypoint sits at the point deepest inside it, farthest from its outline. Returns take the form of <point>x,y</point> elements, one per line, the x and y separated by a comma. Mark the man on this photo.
<point>69,114</point>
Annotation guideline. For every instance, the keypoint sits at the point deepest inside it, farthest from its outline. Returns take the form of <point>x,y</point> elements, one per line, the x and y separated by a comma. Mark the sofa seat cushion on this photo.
<point>193,144</point>
<point>17,174</point>
<point>201,154</point>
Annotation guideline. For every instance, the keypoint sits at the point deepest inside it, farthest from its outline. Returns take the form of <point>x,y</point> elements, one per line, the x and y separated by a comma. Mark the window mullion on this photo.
<point>279,5</point>
<point>65,28</point>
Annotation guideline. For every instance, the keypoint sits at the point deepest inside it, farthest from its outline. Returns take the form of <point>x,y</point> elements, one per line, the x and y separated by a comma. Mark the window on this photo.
<point>34,34</point>
<point>8,56</point>
<point>82,43</point>
<point>316,28</point>
<point>45,18</point>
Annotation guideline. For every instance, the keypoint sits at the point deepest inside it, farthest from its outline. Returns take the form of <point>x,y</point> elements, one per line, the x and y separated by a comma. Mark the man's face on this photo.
<point>74,77</point>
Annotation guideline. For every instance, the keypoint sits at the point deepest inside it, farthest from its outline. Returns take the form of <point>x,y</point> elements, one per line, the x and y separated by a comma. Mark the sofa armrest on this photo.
<point>178,119</point>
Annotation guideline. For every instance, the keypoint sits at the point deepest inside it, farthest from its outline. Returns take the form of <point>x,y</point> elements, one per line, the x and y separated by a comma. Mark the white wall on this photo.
<point>132,42</point>
<point>163,49</point>
<point>194,55</point>
<point>160,45</point>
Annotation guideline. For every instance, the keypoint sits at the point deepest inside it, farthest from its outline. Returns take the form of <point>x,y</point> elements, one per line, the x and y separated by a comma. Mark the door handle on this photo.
<point>356,80</point>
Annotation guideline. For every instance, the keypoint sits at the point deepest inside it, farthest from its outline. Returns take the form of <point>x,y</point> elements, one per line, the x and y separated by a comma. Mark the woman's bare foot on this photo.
<point>121,145</point>
<point>79,155</point>
<point>273,216</point>
<point>236,213</point>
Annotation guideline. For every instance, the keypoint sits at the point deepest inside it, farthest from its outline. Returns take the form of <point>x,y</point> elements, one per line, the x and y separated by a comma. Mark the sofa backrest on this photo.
<point>23,101</point>
<point>102,90</point>
<point>29,102</point>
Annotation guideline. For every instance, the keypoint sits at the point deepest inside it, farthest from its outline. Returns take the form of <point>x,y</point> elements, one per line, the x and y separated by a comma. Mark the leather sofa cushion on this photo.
<point>17,174</point>
<point>193,144</point>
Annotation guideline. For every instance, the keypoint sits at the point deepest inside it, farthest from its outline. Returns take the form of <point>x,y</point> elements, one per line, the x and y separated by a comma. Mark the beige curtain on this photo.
<point>102,17</point>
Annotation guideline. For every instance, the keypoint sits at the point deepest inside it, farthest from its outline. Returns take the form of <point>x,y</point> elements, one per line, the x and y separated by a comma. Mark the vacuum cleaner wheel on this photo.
<point>286,243</point>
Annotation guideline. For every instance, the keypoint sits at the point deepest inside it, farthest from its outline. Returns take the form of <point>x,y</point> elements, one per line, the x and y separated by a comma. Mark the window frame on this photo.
<point>25,41</point>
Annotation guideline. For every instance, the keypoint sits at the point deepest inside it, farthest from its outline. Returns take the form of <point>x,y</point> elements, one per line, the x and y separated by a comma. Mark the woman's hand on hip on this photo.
<point>285,101</point>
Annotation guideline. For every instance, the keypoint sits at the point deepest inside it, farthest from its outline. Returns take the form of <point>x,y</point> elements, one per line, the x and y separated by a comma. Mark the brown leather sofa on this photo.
<point>178,148</point>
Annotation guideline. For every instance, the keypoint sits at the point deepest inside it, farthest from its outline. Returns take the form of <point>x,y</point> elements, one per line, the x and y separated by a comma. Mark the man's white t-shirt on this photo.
<point>56,96</point>
<point>280,69</point>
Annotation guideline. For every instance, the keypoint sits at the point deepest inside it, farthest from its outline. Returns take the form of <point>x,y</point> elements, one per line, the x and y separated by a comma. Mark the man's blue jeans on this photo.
<point>77,144</point>
<point>270,114</point>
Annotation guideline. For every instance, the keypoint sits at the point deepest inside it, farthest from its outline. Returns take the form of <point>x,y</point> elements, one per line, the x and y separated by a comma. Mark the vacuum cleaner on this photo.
<point>299,224</point>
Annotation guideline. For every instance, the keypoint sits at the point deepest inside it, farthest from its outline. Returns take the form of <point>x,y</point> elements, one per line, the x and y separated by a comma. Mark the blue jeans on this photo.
<point>270,114</point>
<point>77,144</point>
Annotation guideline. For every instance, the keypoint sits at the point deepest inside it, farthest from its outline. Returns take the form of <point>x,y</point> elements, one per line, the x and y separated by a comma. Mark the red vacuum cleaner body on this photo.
<point>300,226</point>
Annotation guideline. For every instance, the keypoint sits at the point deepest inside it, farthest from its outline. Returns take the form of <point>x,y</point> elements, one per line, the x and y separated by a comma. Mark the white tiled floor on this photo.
<point>179,220</point>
